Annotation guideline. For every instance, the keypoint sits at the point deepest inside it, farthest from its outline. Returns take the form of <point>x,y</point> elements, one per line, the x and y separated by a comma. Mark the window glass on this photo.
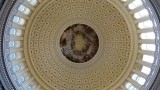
<point>24,9</point>
<point>128,85</point>
<point>15,68</point>
<point>145,24</point>
<point>132,88</point>
<point>12,31</point>
<point>145,70</point>
<point>131,6</point>
<point>141,81</point>
<point>12,56</point>
<point>11,44</point>
<point>141,14</point>
<point>21,8</point>
<point>134,77</point>
<point>20,79</point>
<point>138,79</point>
<point>27,11</point>
<point>150,47</point>
<point>28,88</point>
<point>33,2</point>
<point>21,21</point>
<point>16,19</point>
<point>149,35</point>
<point>148,58</point>
<point>19,32</point>
<point>135,4</point>
<point>148,23</point>
<point>137,15</point>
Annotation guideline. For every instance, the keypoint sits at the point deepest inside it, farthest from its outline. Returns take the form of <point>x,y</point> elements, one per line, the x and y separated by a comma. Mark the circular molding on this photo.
<point>46,24</point>
<point>79,43</point>
<point>6,81</point>
<point>112,66</point>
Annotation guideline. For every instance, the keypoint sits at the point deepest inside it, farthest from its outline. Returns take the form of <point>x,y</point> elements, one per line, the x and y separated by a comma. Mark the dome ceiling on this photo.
<point>52,69</point>
<point>78,45</point>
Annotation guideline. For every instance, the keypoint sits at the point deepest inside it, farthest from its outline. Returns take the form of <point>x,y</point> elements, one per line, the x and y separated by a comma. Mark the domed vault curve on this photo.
<point>78,44</point>
<point>50,67</point>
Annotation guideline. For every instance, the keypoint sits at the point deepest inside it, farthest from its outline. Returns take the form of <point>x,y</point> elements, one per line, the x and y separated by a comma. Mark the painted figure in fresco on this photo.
<point>79,43</point>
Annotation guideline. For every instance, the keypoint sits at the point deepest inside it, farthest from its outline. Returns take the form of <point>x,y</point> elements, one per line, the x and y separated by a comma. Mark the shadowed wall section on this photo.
<point>1,3</point>
<point>1,86</point>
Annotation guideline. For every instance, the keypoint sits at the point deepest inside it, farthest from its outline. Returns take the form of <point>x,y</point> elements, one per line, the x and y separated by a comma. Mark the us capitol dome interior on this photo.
<point>79,45</point>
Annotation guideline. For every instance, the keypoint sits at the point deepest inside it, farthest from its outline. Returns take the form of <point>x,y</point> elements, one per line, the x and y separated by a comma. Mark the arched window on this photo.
<point>150,47</point>
<point>141,80</point>
<point>145,70</point>
<point>15,68</point>
<point>134,76</point>
<point>11,44</point>
<point>12,56</point>
<point>129,86</point>
<point>18,20</point>
<point>149,35</point>
<point>145,24</point>
<point>142,13</point>
<point>14,44</point>
<point>28,88</point>
<point>20,80</point>
<point>132,88</point>
<point>24,9</point>
<point>135,4</point>
<point>148,58</point>
<point>12,31</point>
<point>16,32</point>
<point>21,8</point>
<point>138,79</point>
<point>33,2</point>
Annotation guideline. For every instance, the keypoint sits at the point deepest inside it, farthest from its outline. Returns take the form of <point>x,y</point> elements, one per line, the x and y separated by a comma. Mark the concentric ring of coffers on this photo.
<point>18,57</point>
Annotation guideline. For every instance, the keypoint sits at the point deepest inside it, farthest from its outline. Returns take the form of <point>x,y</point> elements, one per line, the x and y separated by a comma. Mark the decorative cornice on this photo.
<point>4,16</point>
<point>1,5</point>
<point>156,6</point>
